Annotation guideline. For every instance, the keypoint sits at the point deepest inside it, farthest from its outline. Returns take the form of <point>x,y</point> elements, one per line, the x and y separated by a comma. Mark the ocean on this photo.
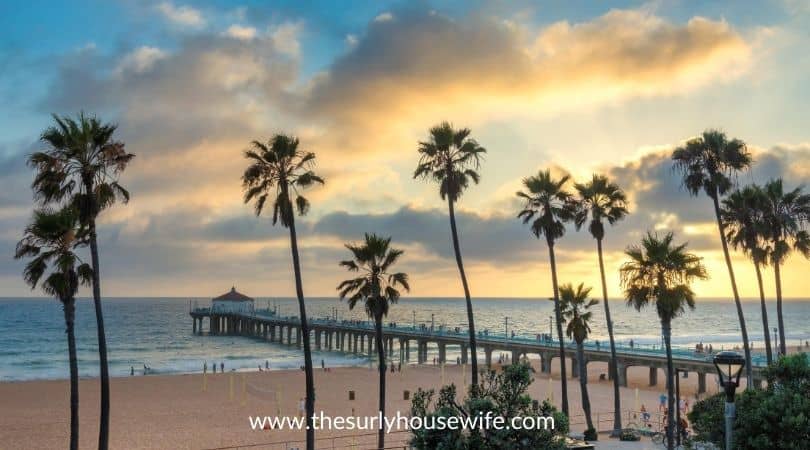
<point>157,332</point>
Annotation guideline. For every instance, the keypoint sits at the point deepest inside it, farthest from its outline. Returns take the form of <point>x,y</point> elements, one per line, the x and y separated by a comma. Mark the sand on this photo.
<point>173,411</point>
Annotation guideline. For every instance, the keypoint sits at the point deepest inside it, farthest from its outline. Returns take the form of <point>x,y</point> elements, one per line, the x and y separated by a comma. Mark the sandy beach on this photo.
<point>196,412</point>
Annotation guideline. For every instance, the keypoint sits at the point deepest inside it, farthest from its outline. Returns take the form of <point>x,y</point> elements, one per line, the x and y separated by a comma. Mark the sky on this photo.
<point>578,87</point>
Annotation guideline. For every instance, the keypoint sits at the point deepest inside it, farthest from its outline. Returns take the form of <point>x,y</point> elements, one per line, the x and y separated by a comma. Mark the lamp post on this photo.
<point>432,321</point>
<point>550,328</point>
<point>729,367</point>
<point>414,318</point>
<point>506,327</point>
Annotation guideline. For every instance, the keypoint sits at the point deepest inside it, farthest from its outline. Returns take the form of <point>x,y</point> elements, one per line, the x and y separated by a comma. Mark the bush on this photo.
<point>778,417</point>
<point>630,435</point>
<point>590,435</point>
<point>501,394</point>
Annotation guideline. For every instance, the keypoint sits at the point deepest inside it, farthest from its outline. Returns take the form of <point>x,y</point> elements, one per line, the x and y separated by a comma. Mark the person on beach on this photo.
<point>222,367</point>
<point>302,408</point>
<point>645,416</point>
<point>266,364</point>
<point>323,365</point>
<point>214,366</point>
<point>131,370</point>
<point>205,366</point>
<point>662,402</point>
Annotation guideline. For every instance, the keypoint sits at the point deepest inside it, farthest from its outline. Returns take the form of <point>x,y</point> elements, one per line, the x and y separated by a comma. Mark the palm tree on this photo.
<point>50,241</point>
<point>660,272</point>
<point>601,200</point>
<point>81,165</point>
<point>548,206</point>
<point>279,169</point>
<point>451,158</point>
<point>376,287</point>
<point>708,163</point>
<point>743,219</point>
<point>786,213</point>
<point>577,315</point>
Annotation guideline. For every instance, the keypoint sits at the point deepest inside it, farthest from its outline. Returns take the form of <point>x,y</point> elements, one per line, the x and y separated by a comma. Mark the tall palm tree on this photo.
<point>451,158</point>
<point>601,200</point>
<point>577,315</point>
<point>548,205</point>
<point>743,218</point>
<point>50,241</point>
<point>277,170</point>
<point>660,272</point>
<point>786,214</point>
<point>81,165</point>
<point>708,163</point>
<point>376,287</point>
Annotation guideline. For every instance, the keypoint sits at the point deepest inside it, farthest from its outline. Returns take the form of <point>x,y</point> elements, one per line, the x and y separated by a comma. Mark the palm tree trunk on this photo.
<point>666,330</point>
<point>614,372</point>
<point>381,357</point>
<point>302,311</point>
<point>583,385</point>
<point>470,317</point>
<point>749,371</point>
<point>558,315</point>
<point>69,308</point>
<point>104,424</point>
<point>781,322</point>
<point>764,314</point>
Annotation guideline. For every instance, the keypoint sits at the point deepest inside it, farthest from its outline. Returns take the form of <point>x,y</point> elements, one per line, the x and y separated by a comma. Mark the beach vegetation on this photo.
<point>451,158</point>
<point>50,241</point>
<point>81,166</point>
<point>786,214</point>
<point>502,394</point>
<point>743,216</point>
<point>600,200</point>
<point>710,163</point>
<point>577,315</point>
<point>376,287</point>
<point>659,272</point>
<point>279,171</point>
<point>776,417</point>
<point>547,207</point>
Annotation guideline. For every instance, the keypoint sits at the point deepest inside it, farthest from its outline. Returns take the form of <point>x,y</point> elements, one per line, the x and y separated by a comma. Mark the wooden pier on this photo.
<point>357,337</point>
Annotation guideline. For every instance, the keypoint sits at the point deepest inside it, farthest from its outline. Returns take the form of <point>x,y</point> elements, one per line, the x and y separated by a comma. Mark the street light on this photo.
<point>414,318</point>
<point>506,327</point>
<point>432,321</point>
<point>729,367</point>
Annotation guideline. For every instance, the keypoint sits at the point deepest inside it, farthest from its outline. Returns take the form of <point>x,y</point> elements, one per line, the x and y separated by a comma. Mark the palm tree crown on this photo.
<point>375,286</point>
<point>276,168</point>
<point>451,158</point>
<point>599,200</point>
<point>708,162</point>
<point>743,217</point>
<point>576,311</point>
<point>50,241</point>
<point>84,161</point>
<point>660,272</point>
<point>786,214</point>
<point>548,205</point>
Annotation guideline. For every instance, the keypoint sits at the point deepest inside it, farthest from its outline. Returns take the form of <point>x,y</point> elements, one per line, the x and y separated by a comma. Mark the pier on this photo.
<point>357,337</point>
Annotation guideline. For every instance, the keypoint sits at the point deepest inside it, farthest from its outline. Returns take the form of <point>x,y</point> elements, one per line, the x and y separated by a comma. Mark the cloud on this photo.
<point>423,67</point>
<point>140,60</point>
<point>384,17</point>
<point>181,15</point>
<point>285,38</point>
<point>241,32</point>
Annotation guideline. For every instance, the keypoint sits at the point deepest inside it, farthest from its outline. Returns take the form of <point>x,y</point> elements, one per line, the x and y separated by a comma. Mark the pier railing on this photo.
<point>486,337</point>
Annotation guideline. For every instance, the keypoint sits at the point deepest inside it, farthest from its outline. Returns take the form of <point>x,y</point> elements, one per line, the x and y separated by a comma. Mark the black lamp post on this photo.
<point>729,367</point>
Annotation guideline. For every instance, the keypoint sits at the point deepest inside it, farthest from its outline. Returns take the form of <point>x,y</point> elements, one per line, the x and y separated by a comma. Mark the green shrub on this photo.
<point>630,435</point>
<point>777,417</point>
<point>502,394</point>
<point>590,435</point>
